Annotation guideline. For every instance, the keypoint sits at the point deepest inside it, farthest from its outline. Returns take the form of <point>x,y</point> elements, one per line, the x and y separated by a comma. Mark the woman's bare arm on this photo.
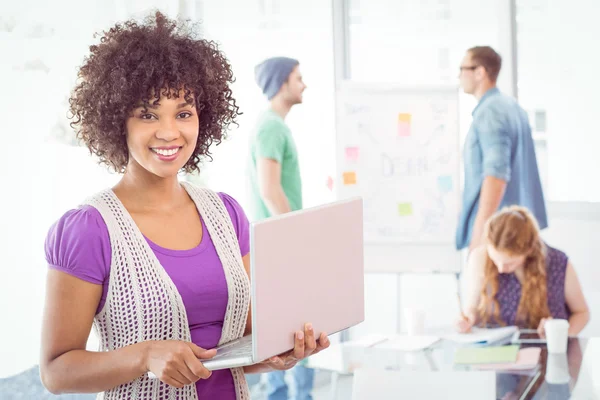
<point>65,365</point>
<point>580,312</point>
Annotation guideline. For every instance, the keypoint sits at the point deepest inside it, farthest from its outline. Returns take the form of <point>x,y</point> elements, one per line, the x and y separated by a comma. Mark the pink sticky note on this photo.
<point>352,154</point>
<point>403,129</point>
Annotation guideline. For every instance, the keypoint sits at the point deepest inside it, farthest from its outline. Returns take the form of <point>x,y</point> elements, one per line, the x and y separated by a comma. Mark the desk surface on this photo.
<point>533,384</point>
<point>526,385</point>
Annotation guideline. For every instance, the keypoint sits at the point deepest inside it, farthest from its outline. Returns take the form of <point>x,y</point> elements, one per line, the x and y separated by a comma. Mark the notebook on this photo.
<point>482,336</point>
<point>486,355</point>
<point>527,359</point>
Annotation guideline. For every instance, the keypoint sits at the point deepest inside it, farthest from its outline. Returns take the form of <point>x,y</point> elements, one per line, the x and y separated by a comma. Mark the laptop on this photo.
<point>306,266</point>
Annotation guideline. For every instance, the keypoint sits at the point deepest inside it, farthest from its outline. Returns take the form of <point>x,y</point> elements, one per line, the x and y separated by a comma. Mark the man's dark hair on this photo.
<point>488,59</point>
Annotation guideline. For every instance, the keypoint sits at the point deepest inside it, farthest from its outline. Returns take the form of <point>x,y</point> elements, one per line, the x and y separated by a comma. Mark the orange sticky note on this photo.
<point>349,178</point>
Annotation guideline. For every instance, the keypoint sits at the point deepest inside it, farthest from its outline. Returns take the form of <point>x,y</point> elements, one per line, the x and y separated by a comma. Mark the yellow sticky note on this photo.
<point>404,117</point>
<point>349,178</point>
<point>405,209</point>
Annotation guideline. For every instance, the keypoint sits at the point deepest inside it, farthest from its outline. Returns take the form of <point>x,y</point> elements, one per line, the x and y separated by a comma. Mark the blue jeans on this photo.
<point>303,379</point>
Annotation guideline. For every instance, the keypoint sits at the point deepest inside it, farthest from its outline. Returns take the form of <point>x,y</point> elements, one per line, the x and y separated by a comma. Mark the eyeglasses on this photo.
<point>470,68</point>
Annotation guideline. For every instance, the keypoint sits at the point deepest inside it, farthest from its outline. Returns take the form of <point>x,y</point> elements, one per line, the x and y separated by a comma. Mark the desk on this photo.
<point>440,357</point>
<point>528,386</point>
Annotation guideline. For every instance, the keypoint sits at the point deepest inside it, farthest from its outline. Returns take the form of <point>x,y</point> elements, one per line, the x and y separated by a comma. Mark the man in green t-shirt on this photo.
<point>275,183</point>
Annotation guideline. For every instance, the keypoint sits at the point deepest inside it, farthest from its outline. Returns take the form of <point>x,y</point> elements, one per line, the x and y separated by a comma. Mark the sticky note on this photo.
<point>405,209</point>
<point>349,178</point>
<point>329,183</point>
<point>404,124</point>
<point>445,183</point>
<point>404,117</point>
<point>352,154</point>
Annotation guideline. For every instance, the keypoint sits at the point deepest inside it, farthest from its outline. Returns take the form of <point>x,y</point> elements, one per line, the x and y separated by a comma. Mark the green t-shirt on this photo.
<point>273,139</point>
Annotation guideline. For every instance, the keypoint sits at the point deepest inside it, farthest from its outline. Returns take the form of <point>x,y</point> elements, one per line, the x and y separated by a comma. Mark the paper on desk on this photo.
<point>372,384</point>
<point>407,343</point>
<point>479,335</point>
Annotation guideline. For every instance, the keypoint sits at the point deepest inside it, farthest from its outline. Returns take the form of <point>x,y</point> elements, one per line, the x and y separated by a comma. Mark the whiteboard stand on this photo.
<point>399,303</point>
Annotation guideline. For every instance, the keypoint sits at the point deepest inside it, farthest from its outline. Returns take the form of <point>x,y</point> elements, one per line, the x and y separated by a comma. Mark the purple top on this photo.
<point>509,289</point>
<point>79,244</point>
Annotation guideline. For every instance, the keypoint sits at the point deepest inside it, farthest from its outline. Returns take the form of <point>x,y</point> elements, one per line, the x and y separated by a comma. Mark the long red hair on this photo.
<point>515,231</point>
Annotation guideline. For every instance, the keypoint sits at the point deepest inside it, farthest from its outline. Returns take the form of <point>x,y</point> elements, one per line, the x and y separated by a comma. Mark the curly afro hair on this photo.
<point>134,62</point>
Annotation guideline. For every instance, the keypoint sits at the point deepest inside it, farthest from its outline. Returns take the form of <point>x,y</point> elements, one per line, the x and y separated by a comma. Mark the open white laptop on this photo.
<point>306,266</point>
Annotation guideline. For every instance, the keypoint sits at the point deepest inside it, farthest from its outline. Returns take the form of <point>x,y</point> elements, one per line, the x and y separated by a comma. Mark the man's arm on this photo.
<point>496,147</point>
<point>492,192</point>
<point>269,185</point>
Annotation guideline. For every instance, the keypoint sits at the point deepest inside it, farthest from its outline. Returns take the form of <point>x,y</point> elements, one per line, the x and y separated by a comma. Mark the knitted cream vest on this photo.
<point>143,303</point>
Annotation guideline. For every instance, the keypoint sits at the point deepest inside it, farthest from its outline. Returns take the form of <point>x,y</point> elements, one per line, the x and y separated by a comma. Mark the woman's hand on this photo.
<point>177,363</point>
<point>305,345</point>
<point>464,324</point>
<point>540,330</point>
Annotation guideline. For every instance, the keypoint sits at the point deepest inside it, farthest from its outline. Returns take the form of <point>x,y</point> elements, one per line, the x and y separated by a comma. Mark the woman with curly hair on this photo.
<point>517,279</point>
<point>159,267</point>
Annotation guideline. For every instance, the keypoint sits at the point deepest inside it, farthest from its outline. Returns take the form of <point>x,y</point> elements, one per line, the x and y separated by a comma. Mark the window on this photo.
<point>557,85</point>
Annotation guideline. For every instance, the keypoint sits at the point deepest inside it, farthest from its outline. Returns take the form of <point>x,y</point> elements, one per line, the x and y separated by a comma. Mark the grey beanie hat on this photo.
<point>272,73</point>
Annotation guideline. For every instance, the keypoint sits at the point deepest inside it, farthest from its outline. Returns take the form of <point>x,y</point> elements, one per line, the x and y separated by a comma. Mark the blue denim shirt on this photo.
<point>499,144</point>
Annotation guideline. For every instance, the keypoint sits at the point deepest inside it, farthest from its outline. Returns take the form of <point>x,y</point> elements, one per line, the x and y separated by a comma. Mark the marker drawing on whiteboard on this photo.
<point>435,134</point>
<point>355,109</point>
<point>363,130</point>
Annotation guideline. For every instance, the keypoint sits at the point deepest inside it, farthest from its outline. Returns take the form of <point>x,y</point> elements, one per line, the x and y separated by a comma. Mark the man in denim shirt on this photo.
<point>499,154</point>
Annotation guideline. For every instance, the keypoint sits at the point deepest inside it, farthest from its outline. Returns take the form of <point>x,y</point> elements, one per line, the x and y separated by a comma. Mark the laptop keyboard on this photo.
<point>236,348</point>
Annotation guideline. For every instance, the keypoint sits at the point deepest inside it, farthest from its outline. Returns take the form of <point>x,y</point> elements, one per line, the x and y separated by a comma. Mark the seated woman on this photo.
<point>517,279</point>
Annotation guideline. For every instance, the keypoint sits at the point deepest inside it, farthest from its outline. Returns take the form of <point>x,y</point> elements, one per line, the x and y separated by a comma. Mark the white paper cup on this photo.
<point>415,321</point>
<point>557,335</point>
<point>557,369</point>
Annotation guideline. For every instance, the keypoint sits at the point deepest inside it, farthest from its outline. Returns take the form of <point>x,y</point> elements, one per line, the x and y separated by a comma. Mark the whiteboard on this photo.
<point>398,148</point>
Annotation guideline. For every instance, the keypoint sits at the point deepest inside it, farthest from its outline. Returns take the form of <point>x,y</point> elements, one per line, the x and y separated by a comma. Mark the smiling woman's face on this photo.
<point>162,138</point>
